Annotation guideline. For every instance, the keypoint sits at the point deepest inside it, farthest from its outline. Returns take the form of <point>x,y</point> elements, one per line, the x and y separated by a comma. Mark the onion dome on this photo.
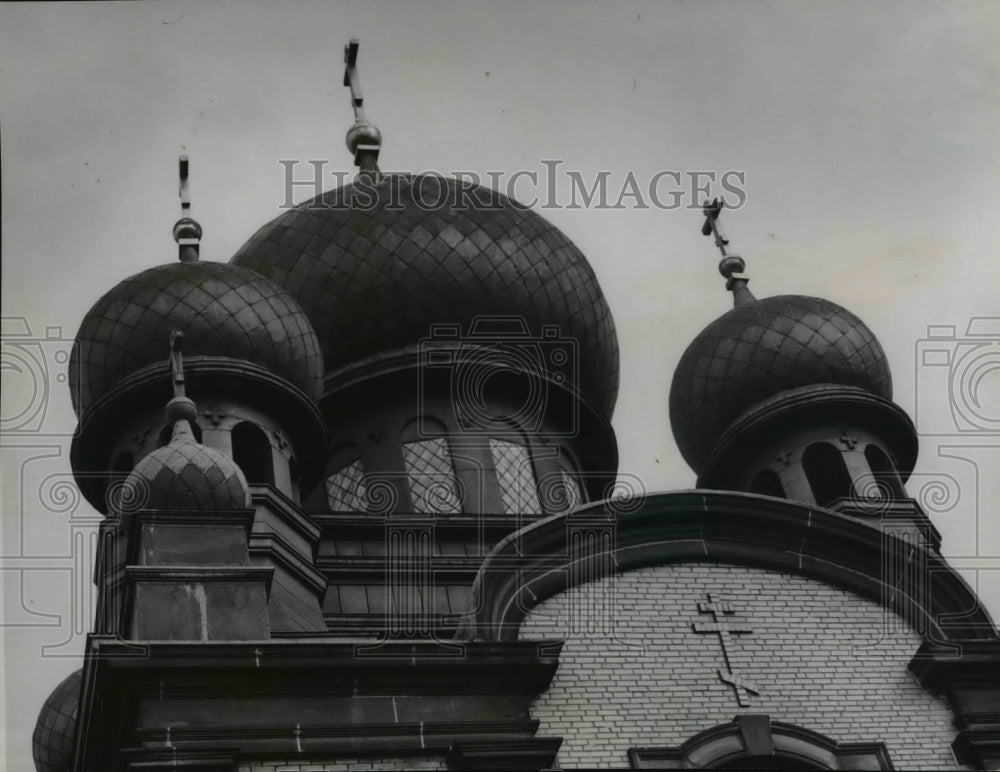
<point>761,348</point>
<point>52,741</point>
<point>374,266</point>
<point>227,312</point>
<point>184,474</point>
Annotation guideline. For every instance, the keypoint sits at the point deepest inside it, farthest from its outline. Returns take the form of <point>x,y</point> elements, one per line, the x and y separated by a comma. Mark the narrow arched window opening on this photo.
<point>431,477</point>
<point>827,473</point>
<point>767,483</point>
<point>430,468</point>
<point>884,472</point>
<point>252,453</point>
<point>515,477</point>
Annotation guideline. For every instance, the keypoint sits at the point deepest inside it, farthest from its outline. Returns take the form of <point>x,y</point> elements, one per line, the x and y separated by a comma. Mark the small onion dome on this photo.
<point>184,474</point>
<point>226,312</point>
<point>387,261</point>
<point>759,349</point>
<point>52,741</point>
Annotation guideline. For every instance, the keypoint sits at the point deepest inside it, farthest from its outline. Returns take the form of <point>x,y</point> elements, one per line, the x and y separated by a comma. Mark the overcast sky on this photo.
<point>867,134</point>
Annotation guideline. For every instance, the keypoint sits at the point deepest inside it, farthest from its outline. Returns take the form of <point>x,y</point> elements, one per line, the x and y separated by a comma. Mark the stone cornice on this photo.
<point>308,698</point>
<point>968,674</point>
<point>539,561</point>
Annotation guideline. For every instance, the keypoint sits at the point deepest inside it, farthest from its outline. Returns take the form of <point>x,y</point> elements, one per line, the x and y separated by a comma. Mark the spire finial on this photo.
<point>177,361</point>
<point>364,140</point>
<point>731,266</point>
<point>180,411</point>
<point>187,231</point>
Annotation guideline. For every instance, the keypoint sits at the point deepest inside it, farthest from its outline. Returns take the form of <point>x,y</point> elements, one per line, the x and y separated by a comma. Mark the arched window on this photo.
<point>766,483</point>
<point>430,472</point>
<point>252,453</point>
<point>753,741</point>
<point>344,489</point>
<point>884,472</point>
<point>515,477</point>
<point>827,473</point>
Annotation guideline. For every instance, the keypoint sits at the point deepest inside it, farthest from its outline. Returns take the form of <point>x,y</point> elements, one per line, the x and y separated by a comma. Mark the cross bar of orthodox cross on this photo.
<point>711,227</point>
<point>352,80</point>
<point>719,609</point>
<point>177,362</point>
<point>183,191</point>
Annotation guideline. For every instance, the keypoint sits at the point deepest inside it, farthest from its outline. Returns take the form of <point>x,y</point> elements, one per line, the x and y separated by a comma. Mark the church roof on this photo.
<point>225,311</point>
<point>375,267</point>
<point>761,348</point>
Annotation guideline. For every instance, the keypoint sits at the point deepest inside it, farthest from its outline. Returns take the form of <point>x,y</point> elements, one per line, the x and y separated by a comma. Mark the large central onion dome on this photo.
<point>375,266</point>
<point>225,311</point>
<point>762,348</point>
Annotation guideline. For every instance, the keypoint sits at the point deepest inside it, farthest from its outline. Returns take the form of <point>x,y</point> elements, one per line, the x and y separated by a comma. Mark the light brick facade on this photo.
<point>821,657</point>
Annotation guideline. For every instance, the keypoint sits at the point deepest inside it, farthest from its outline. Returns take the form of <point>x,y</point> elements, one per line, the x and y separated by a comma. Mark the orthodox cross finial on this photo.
<point>177,362</point>
<point>187,232</point>
<point>364,140</point>
<point>711,227</point>
<point>181,412</point>
<point>731,266</point>
<point>352,80</point>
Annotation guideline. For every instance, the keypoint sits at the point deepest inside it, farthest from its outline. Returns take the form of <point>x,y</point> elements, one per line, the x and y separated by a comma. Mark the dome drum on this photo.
<point>491,401</point>
<point>209,380</point>
<point>774,433</point>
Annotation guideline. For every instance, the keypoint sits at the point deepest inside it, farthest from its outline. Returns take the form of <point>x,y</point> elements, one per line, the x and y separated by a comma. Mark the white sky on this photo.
<point>867,133</point>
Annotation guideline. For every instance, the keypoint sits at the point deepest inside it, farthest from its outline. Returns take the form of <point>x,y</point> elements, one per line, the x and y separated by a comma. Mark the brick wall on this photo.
<point>823,658</point>
<point>348,765</point>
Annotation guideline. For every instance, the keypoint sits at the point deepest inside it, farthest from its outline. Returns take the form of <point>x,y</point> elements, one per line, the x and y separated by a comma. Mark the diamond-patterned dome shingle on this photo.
<point>374,268</point>
<point>52,741</point>
<point>762,348</point>
<point>223,311</point>
<point>185,475</point>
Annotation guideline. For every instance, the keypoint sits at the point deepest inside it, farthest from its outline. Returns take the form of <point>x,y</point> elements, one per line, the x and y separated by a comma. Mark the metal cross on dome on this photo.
<point>712,211</point>
<point>177,362</point>
<point>187,231</point>
<point>352,80</point>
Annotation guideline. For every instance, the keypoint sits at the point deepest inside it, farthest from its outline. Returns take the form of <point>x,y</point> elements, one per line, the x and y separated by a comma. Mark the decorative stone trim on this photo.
<point>541,560</point>
<point>309,699</point>
<point>752,736</point>
<point>522,754</point>
<point>968,674</point>
<point>170,759</point>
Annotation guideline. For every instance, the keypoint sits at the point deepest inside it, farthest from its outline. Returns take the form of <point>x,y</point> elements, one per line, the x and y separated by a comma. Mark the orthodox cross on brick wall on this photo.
<point>723,628</point>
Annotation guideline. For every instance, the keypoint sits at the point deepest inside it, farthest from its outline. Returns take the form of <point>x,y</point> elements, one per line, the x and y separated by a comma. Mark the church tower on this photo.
<point>360,514</point>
